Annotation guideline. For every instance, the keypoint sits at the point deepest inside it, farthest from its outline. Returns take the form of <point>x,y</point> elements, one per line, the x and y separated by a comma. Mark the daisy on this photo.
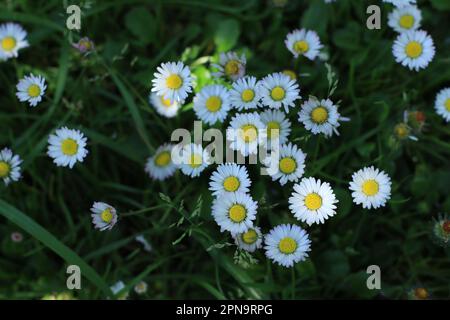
<point>405,18</point>
<point>104,216</point>
<point>249,240</point>
<point>289,166</point>
<point>118,288</point>
<point>402,132</point>
<point>141,287</point>
<point>320,116</point>
<point>287,244</point>
<point>67,146</point>
<point>12,39</point>
<point>230,66</point>
<point>290,73</point>
<point>229,178</point>
<point>160,166</point>
<point>414,49</point>
<point>164,107</point>
<point>442,104</point>
<point>303,42</point>
<point>16,237</point>
<point>400,3</point>
<point>31,89</point>
<point>84,46</point>
<point>278,126</point>
<point>245,93</point>
<point>9,166</point>
<point>371,187</point>
<point>234,212</point>
<point>212,104</point>
<point>172,81</point>
<point>312,201</point>
<point>246,132</point>
<point>192,159</point>
<point>279,90</point>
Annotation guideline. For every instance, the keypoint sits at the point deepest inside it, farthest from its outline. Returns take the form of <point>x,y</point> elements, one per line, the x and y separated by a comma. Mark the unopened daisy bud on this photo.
<point>402,132</point>
<point>418,293</point>
<point>16,237</point>
<point>12,39</point>
<point>9,166</point>
<point>141,287</point>
<point>416,119</point>
<point>104,216</point>
<point>230,66</point>
<point>441,230</point>
<point>31,89</point>
<point>84,46</point>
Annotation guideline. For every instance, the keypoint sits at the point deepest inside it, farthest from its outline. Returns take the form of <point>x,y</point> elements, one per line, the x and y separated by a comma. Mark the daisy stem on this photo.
<point>133,213</point>
<point>293,283</point>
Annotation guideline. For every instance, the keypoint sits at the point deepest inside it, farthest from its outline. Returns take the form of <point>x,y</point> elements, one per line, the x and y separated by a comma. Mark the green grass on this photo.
<point>105,96</point>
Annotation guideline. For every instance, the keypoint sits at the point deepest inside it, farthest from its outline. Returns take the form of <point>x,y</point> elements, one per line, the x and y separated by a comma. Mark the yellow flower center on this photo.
<point>421,293</point>
<point>249,133</point>
<point>291,74</point>
<point>313,201</point>
<point>273,129</point>
<point>413,49</point>
<point>401,130</point>
<point>287,245</point>
<point>447,104</point>
<point>319,115</point>
<point>277,93</point>
<point>106,215</point>
<point>301,46</point>
<point>213,103</point>
<point>250,236</point>
<point>232,67</point>
<point>196,161</point>
<point>4,169</point>
<point>69,147</point>
<point>231,184</point>
<point>166,102</point>
<point>237,213</point>
<point>8,43</point>
<point>406,21</point>
<point>247,95</point>
<point>34,91</point>
<point>163,159</point>
<point>174,82</point>
<point>288,165</point>
<point>370,187</point>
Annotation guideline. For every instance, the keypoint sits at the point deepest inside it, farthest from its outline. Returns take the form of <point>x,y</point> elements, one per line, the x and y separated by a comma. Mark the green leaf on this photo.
<point>49,240</point>
<point>139,22</point>
<point>227,34</point>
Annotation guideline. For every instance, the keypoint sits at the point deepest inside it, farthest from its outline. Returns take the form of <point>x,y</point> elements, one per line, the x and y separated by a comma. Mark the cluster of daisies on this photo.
<point>234,210</point>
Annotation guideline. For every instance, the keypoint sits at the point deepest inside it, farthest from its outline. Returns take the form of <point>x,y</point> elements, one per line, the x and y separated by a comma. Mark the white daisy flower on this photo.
<point>290,165</point>
<point>67,146</point>
<point>117,288</point>
<point>277,90</point>
<point>230,66</point>
<point>277,126</point>
<point>400,3</point>
<point>234,212</point>
<point>141,287</point>
<point>9,166</point>
<point>160,166</point>
<point>312,201</point>
<point>320,116</point>
<point>163,106</point>
<point>172,81</point>
<point>371,188</point>
<point>192,159</point>
<point>414,49</point>
<point>287,244</point>
<point>442,104</point>
<point>249,240</point>
<point>212,104</point>
<point>245,93</point>
<point>104,216</point>
<point>405,18</point>
<point>12,39</point>
<point>246,132</point>
<point>303,42</point>
<point>31,89</point>
<point>229,178</point>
